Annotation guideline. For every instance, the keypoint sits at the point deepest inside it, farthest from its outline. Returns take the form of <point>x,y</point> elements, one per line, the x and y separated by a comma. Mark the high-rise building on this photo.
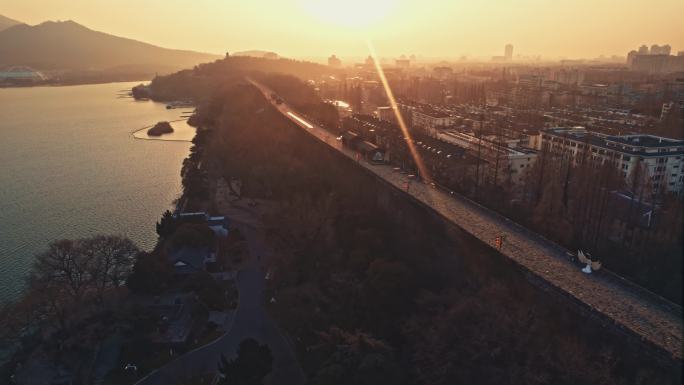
<point>530,81</point>
<point>402,63</point>
<point>656,60</point>
<point>658,63</point>
<point>630,57</point>
<point>443,73</point>
<point>660,50</point>
<point>570,76</point>
<point>370,62</point>
<point>508,52</point>
<point>333,61</point>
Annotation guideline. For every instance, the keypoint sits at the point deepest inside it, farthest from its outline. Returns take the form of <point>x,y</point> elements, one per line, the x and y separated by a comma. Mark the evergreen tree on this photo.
<point>253,362</point>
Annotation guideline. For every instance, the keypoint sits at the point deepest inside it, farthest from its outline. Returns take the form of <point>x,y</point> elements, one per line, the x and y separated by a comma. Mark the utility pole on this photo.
<point>498,153</point>
<point>479,151</point>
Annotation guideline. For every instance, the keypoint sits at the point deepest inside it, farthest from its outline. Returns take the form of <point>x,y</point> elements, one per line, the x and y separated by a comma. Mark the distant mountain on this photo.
<point>70,46</point>
<point>257,53</point>
<point>6,22</point>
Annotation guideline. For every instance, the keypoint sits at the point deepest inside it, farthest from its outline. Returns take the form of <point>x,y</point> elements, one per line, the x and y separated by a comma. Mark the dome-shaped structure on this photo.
<point>21,73</point>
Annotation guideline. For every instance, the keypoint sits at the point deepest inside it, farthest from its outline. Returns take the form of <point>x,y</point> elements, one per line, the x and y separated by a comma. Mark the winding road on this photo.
<point>251,320</point>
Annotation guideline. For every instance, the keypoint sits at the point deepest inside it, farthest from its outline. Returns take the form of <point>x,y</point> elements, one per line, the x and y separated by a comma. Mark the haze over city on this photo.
<point>429,28</point>
<point>341,192</point>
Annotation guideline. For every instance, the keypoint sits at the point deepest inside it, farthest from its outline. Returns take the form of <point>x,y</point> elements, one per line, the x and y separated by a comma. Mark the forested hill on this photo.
<point>202,81</point>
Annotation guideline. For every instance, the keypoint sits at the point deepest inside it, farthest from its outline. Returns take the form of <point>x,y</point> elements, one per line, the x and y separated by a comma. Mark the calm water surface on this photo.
<point>71,168</point>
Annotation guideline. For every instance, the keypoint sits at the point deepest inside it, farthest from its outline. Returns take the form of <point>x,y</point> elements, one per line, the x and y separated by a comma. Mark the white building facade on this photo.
<point>431,121</point>
<point>504,162</point>
<point>662,158</point>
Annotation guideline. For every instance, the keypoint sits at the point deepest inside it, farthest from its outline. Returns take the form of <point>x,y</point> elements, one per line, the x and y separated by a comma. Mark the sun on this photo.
<point>349,13</point>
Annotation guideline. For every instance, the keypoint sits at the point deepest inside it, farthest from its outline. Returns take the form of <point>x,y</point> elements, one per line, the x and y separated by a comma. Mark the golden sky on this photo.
<point>428,28</point>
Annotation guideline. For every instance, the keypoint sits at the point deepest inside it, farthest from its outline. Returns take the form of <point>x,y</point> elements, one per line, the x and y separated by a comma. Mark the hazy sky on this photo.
<point>431,28</point>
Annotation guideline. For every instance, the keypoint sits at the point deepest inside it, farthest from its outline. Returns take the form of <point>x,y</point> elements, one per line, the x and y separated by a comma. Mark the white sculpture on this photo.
<point>591,265</point>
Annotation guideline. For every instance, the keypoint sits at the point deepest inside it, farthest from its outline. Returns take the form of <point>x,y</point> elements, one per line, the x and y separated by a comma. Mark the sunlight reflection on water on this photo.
<point>71,168</point>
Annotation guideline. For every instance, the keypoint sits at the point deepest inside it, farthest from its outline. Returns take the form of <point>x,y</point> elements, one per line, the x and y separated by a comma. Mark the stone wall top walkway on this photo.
<point>633,308</point>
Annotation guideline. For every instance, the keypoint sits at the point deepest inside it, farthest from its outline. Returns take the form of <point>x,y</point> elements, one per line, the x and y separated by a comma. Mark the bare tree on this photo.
<point>302,221</point>
<point>112,258</point>
<point>66,264</point>
<point>66,275</point>
<point>52,299</point>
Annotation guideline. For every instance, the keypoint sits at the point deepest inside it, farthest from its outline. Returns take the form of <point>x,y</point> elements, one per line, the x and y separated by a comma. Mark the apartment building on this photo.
<point>501,163</point>
<point>663,158</point>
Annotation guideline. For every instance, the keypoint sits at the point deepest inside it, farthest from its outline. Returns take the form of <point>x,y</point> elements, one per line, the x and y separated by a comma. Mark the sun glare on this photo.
<point>349,13</point>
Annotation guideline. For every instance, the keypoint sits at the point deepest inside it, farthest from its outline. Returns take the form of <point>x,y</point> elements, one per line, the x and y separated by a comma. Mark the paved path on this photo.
<point>107,357</point>
<point>633,308</point>
<point>251,320</point>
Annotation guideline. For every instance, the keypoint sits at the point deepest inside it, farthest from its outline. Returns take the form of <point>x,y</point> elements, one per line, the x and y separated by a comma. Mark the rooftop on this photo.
<point>645,140</point>
<point>218,221</point>
<point>638,143</point>
<point>518,151</point>
<point>189,259</point>
<point>431,112</point>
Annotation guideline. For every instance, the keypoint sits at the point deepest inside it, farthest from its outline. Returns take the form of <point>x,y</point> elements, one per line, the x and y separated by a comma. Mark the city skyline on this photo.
<point>300,192</point>
<point>394,26</point>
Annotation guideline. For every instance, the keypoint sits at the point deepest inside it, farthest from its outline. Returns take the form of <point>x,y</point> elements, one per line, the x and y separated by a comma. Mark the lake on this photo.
<point>72,168</point>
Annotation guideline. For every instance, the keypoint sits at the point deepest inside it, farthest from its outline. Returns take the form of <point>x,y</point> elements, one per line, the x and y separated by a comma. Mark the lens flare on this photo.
<point>400,120</point>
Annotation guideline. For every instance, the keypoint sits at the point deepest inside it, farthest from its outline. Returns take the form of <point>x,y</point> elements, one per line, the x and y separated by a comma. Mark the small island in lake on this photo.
<point>160,128</point>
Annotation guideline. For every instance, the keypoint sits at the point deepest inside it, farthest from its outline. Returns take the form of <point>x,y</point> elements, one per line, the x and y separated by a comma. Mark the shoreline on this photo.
<point>70,84</point>
<point>164,140</point>
<point>13,291</point>
<point>7,351</point>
